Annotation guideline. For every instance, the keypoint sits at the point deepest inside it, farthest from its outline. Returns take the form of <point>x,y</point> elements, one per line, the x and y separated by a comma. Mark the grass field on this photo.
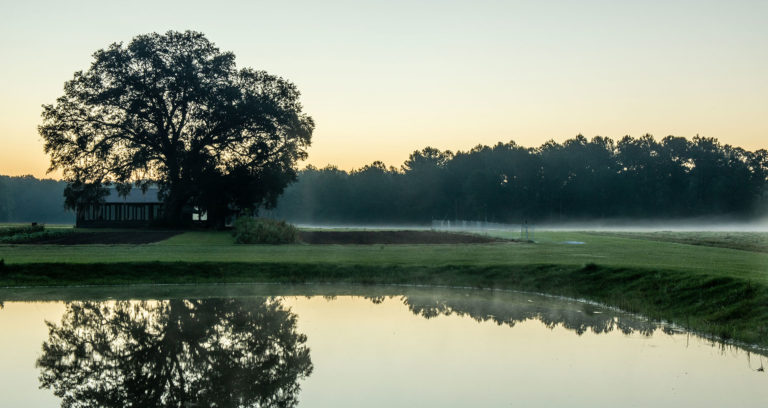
<point>748,241</point>
<point>703,286</point>
<point>607,250</point>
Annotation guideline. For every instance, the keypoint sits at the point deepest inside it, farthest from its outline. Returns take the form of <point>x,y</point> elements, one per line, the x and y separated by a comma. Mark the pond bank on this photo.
<point>725,307</point>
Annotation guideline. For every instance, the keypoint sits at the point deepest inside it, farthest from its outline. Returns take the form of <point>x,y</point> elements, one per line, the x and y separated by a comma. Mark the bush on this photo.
<point>249,230</point>
<point>23,230</point>
<point>23,235</point>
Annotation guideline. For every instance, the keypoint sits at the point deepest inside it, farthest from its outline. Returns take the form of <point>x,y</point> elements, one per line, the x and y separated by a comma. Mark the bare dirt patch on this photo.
<point>108,238</point>
<point>393,237</point>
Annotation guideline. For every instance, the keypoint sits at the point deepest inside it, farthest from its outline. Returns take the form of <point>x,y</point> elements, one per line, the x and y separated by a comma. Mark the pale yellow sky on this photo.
<point>382,79</point>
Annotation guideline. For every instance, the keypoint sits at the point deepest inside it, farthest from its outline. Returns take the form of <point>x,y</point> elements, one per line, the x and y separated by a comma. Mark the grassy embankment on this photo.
<point>720,291</point>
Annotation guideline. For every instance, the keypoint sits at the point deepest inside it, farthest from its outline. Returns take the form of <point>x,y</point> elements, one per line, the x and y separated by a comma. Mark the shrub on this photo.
<point>23,230</point>
<point>249,230</point>
<point>23,235</point>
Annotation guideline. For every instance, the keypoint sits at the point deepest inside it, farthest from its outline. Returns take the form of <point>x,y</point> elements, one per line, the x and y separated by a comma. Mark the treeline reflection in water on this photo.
<point>245,351</point>
<point>552,312</point>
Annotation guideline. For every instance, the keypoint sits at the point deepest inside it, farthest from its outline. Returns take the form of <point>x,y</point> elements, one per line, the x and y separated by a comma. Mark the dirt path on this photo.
<point>392,237</point>
<point>309,237</point>
<point>116,237</point>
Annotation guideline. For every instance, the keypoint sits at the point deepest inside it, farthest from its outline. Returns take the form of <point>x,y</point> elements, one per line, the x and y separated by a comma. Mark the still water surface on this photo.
<point>268,345</point>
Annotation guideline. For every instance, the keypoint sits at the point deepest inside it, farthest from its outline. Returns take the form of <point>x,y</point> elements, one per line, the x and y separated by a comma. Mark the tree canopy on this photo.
<point>173,110</point>
<point>579,179</point>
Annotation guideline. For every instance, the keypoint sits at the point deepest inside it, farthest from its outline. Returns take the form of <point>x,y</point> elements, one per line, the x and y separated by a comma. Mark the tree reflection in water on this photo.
<point>175,353</point>
<point>577,317</point>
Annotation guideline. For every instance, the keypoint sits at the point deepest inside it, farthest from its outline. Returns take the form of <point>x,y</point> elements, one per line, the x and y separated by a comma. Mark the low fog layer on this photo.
<point>698,224</point>
<point>617,225</point>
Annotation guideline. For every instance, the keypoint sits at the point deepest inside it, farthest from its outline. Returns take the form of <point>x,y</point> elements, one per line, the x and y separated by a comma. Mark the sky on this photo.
<point>382,79</point>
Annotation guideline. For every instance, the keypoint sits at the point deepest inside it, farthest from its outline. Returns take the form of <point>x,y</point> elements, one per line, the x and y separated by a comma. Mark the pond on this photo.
<point>331,346</point>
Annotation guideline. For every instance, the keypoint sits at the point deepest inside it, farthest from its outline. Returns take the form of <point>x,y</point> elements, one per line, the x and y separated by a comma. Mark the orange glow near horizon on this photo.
<point>387,78</point>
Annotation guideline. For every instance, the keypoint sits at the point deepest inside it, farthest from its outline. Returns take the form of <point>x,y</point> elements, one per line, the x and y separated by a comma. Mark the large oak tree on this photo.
<point>173,110</point>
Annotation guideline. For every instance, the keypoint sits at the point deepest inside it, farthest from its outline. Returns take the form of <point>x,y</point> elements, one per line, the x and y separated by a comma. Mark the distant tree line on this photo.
<point>577,179</point>
<point>29,199</point>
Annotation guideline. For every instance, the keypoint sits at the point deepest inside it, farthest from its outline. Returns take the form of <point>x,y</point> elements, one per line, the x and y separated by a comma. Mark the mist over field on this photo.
<point>681,225</point>
<point>712,224</point>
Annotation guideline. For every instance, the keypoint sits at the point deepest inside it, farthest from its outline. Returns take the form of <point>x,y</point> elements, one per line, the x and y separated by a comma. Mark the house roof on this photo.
<point>135,196</point>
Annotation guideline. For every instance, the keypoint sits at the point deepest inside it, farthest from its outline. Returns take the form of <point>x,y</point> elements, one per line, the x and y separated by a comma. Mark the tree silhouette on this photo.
<point>579,179</point>
<point>5,201</point>
<point>174,110</point>
<point>176,353</point>
<point>28,199</point>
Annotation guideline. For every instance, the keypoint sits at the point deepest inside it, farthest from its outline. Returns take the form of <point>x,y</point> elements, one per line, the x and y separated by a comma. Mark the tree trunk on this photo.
<point>173,209</point>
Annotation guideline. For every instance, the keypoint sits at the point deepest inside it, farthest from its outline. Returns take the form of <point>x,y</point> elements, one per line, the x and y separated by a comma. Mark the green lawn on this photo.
<point>550,249</point>
<point>748,241</point>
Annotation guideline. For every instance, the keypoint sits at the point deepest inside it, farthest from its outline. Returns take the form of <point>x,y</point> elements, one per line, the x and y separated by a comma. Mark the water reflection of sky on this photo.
<point>382,351</point>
